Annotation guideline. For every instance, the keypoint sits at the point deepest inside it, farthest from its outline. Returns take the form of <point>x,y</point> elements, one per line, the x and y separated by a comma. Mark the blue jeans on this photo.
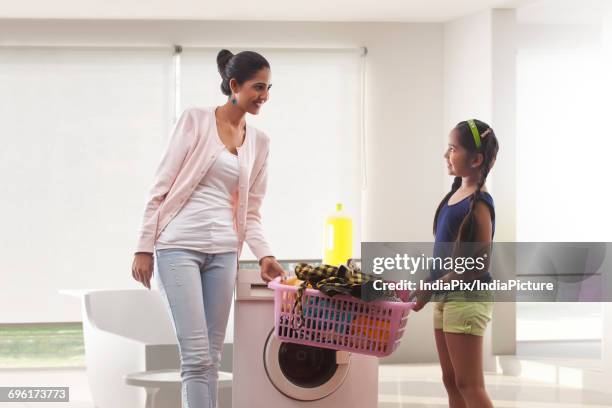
<point>197,288</point>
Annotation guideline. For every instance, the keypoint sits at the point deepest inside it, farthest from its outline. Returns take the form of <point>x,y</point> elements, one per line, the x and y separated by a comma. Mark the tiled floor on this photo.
<point>400,386</point>
<point>409,386</point>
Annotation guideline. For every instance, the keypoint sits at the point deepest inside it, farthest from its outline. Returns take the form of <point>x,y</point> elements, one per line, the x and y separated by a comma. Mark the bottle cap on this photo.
<point>338,206</point>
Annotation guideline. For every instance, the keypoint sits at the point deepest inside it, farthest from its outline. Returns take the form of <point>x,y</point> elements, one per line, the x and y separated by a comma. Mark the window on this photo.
<point>562,169</point>
<point>82,130</point>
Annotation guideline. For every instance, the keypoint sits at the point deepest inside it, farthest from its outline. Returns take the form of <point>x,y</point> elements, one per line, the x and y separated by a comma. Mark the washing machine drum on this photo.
<point>302,372</point>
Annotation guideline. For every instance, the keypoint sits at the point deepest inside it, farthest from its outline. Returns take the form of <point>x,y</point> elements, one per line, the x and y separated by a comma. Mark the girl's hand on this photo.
<point>270,269</point>
<point>142,268</point>
<point>421,296</point>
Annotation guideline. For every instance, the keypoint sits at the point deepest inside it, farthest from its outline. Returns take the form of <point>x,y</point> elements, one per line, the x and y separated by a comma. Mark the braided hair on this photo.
<point>488,148</point>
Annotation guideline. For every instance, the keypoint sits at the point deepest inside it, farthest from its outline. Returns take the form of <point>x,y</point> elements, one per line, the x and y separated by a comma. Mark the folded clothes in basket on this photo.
<point>345,280</point>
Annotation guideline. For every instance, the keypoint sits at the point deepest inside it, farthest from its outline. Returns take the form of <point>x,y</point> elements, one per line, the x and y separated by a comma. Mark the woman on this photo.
<point>203,206</point>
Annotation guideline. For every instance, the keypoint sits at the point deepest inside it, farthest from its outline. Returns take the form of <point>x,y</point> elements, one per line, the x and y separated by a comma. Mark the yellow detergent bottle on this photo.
<point>338,238</point>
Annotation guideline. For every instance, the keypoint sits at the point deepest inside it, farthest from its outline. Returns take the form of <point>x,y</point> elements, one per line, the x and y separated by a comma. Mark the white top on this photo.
<point>206,221</point>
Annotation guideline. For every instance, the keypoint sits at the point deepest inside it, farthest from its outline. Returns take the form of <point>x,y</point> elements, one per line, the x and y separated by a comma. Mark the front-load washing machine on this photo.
<point>268,373</point>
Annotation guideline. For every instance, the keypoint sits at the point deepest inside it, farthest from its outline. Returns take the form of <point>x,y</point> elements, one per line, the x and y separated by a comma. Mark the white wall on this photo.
<point>403,111</point>
<point>467,72</point>
<point>466,86</point>
<point>479,68</point>
<point>478,72</point>
<point>467,79</point>
<point>479,80</point>
<point>503,117</point>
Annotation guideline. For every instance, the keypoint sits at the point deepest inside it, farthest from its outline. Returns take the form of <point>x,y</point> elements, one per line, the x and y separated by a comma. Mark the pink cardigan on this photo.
<point>193,146</point>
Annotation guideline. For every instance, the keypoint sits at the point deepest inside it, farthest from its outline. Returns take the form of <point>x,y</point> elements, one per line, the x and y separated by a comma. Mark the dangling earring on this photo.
<point>234,101</point>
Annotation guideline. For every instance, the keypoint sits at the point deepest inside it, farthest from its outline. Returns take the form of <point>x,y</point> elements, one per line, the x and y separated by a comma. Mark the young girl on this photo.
<point>465,214</point>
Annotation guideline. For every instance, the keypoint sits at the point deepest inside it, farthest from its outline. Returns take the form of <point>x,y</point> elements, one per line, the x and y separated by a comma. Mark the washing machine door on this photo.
<point>302,372</point>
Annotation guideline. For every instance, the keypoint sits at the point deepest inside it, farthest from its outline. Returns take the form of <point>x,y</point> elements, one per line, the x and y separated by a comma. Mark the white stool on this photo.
<point>168,381</point>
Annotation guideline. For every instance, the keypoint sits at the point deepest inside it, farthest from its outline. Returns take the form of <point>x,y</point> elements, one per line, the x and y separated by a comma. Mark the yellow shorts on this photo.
<point>466,312</point>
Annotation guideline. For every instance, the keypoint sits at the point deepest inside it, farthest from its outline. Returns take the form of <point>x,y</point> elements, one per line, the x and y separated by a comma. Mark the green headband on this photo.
<point>475,132</point>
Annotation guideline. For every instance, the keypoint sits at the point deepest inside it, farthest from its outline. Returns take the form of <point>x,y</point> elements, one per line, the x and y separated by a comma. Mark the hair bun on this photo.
<point>223,58</point>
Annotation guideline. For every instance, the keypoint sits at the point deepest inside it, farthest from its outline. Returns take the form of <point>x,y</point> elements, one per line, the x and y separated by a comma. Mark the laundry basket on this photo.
<point>340,322</point>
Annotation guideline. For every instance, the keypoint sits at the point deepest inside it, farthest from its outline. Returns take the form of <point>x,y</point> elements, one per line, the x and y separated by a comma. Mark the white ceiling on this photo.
<point>562,12</point>
<point>266,10</point>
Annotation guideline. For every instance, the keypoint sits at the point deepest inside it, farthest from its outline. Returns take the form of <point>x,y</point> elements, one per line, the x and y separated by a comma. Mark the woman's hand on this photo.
<point>142,268</point>
<point>270,269</point>
<point>421,296</point>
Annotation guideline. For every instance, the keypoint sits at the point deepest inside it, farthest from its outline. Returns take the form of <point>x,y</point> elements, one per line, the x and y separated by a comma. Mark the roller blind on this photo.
<point>82,131</point>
